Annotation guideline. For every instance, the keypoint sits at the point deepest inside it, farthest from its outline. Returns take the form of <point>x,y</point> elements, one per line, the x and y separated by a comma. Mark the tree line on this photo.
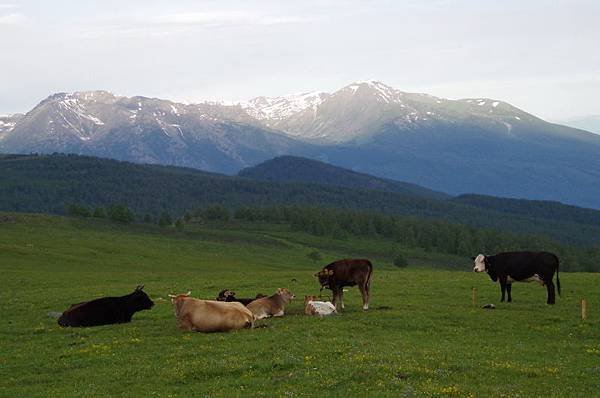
<point>50,183</point>
<point>408,232</point>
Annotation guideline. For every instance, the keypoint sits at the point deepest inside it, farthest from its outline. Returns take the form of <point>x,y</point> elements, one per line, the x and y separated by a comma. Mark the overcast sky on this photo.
<point>542,56</point>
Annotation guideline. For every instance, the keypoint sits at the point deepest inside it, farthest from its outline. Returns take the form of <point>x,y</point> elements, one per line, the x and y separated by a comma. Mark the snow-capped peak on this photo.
<point>382,92</point>
<point>277,108</point>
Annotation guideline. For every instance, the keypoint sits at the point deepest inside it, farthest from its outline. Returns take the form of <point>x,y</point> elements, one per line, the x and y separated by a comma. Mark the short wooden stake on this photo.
<point>584,309</point>
<point>474,295</point>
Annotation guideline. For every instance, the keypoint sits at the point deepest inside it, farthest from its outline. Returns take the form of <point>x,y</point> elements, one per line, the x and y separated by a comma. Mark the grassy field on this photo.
<point>422,337</point>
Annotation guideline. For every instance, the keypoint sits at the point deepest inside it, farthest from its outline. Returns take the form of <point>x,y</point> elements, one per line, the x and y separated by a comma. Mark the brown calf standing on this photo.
<point>347,272</point>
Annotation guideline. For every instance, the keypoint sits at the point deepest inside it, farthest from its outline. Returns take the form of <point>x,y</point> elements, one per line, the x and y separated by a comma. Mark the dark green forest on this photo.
<point>56,183</point>
<point>410,232</point>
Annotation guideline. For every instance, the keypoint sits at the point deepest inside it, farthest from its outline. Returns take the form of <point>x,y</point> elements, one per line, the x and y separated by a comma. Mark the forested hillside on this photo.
<point>50,184</point>
<point>298,169</point>
<point>408,232</point>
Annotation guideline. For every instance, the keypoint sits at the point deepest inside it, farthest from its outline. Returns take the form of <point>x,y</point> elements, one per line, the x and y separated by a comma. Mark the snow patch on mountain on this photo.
<point>278,108</point>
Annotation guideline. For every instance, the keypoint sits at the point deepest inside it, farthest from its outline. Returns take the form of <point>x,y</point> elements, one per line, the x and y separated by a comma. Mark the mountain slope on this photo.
<point>8,123</point>
<point>359,110</point>
<point>207,136</point>
<point>480,145</point>
<point>297,169</point>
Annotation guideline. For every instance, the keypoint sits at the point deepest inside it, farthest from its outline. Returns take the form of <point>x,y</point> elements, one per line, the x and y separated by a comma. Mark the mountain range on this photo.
<point>475,145</point>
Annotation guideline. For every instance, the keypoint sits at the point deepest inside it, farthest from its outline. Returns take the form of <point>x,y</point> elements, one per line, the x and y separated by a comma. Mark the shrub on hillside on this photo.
<point>400,261</point>
<point>165,219</point>
<point>78,210</point>
<point>99,213</point>
<point>120,214</point>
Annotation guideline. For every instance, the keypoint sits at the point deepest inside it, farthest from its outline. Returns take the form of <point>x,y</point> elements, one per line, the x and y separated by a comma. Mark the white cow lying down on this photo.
<point>321,308</point>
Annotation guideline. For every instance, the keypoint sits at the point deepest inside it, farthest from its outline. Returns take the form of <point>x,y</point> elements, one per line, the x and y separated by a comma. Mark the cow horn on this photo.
<point>139,287</point>
<point>188,293</point>
<point>172,295</point>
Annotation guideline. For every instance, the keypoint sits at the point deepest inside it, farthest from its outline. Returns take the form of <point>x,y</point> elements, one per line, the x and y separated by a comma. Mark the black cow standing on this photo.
<point>510,267</point>
<point>106,310</point>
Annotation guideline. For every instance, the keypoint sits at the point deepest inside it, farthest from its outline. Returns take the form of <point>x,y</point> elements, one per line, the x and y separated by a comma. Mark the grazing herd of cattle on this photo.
<point>227,312</point>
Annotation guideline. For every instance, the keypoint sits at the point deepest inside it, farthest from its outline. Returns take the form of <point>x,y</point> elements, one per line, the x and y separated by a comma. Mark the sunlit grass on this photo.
<point>422,337</point>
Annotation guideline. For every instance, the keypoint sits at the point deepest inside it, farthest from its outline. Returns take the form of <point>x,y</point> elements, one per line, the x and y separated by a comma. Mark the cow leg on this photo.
<point>342,297</point>
<point>551,293</point>
<point>502,288</point>
<point>334,301</point>
<point>365,296</point>
<point>508,289</point>
<point>185,325</point>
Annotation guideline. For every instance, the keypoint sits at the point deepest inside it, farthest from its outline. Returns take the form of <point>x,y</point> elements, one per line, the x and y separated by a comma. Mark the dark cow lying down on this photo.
<point>348,272</point>
<point>510,267</point>
<point>229,296</point>
<point>106,310</point>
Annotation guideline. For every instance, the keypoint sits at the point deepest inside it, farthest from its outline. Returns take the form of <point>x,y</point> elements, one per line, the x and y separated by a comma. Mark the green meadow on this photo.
<point>421,337</point>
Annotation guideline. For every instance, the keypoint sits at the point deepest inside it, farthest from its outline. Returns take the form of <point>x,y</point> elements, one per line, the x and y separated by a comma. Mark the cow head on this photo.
<point>285,294</point>
<point>140,300</point>
<point>310,298</point>
<point>225,295</point>
<point>480,263</point>
<point>324,276</point>
<point>175,297</point>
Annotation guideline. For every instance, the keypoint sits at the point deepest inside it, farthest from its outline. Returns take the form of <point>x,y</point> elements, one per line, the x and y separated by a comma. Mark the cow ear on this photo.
<point>330,272</point>
<point>279,290</point>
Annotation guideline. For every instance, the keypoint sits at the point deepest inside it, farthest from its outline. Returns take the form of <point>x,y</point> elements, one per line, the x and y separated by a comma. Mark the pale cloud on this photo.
<point>538,57</point>
<point>224,18</point>
<point>13,19</point>
<point>140,25</point>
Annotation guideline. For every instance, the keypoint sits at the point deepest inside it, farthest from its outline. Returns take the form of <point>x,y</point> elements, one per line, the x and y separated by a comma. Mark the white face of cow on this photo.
<point>479,263</point>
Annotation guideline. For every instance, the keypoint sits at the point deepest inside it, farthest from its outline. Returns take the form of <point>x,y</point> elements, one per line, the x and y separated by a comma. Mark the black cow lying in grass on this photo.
<point>106,310</point>
<point>510,267</point>
<point>229,296</point>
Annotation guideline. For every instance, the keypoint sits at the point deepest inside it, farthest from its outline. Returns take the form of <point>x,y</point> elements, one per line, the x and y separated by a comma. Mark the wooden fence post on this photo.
<point>584,309</point>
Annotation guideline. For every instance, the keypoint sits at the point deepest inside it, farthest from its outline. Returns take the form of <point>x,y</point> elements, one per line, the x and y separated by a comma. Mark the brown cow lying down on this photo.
<point>272,305</point>
<point>229,296</point>
<point>312,306</point>
<point>210,316</point>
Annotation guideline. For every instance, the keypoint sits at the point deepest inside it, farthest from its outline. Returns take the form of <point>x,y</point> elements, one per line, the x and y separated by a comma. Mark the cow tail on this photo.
<point>557,279</point>
<point>368,284</point>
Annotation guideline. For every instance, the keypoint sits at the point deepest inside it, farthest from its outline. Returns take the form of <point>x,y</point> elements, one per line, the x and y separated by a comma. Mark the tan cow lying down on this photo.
<point>272,305</point>
<point>210,316</point>
<point>312,306</point>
